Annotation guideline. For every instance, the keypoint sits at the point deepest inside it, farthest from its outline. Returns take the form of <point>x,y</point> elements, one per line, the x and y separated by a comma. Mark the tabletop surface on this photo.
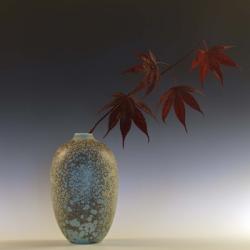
<point>132,244</point>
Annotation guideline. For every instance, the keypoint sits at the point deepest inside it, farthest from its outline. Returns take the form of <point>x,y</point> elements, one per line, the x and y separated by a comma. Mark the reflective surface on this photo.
<point>148,244</point>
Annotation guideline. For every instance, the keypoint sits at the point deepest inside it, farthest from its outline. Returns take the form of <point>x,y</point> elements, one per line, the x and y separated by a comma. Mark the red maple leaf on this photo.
<point>125,108</point>
<point>150,69</point>
<point>177,97</point>
<point>211,59</point>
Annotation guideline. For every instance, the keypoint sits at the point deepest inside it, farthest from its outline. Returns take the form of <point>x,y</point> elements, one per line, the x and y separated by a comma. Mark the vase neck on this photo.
<point>83,136</point>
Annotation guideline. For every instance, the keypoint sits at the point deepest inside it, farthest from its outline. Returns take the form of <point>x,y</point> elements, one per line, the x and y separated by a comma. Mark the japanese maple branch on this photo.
<point>138,88</point>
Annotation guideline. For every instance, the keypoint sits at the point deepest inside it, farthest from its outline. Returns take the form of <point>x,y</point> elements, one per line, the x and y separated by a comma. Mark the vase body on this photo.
<point>84,187</point>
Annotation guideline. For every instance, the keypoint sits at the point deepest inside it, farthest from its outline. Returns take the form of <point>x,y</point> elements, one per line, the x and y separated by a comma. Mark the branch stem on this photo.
<point>97,123</point>
<point>179,61</point>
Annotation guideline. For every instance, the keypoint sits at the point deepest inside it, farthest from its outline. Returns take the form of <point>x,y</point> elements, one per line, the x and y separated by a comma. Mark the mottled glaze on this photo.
<point>84,186</point>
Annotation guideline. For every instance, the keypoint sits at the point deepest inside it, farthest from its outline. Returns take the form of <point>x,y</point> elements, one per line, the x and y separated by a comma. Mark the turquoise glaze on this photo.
<point>84,186</point>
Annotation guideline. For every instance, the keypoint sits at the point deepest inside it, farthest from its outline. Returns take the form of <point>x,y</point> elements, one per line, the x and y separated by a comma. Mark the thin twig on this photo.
<point>178,61</point>
<point>96,124</point>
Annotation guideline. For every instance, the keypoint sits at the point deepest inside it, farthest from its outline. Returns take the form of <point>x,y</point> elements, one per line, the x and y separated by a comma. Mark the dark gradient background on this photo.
<point>60,61</point>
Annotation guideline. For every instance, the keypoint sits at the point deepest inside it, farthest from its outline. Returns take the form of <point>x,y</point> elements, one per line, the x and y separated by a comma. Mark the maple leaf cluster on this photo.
<point>127,109</point>
<point>177,97</point>
<point>211,59</point>
<point>150,68</point>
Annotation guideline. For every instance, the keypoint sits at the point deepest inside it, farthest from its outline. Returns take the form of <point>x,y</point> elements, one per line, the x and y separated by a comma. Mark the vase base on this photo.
<point>83,242</point>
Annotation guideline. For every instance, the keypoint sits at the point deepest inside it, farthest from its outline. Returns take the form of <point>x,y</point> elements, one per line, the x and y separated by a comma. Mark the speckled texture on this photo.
<point>84,185</point>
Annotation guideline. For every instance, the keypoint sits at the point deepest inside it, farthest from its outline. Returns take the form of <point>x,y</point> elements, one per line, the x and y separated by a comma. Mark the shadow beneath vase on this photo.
<point>64,244</point>
<point>109,244</point>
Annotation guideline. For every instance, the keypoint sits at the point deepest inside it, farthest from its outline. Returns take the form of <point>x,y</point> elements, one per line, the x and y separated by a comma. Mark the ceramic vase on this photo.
<point>84,187</point>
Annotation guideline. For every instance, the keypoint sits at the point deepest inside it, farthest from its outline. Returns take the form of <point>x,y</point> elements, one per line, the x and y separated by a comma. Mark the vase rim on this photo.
<point>83,136</point>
